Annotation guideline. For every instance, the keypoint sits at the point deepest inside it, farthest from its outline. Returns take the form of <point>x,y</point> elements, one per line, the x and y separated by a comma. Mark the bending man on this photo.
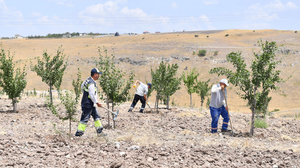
<point>140,95</point>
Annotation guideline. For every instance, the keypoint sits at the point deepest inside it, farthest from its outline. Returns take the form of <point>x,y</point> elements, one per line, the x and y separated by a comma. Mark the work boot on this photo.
<point>100,132</point>
<point>79,133</point>
<point>225,130</point>
<point>130,110</point>
<point>141,111</point>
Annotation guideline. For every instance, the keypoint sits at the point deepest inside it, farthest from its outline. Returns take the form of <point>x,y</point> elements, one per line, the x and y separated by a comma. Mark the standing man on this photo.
<point>140,95</point>
<point>218,107</point>
<point>89,103</point>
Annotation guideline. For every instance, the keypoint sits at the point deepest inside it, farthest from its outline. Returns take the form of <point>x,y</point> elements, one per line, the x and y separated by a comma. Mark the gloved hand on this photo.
<point>134,86</point>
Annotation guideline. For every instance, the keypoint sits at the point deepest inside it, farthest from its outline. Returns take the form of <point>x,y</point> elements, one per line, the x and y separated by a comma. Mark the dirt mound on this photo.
<point>173,138</point>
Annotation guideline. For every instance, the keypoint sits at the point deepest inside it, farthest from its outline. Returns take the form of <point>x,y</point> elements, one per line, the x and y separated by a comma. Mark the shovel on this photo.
<point>228,113</point>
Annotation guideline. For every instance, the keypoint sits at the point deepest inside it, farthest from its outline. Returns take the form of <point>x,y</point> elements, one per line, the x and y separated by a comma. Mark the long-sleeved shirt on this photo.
<point>142,89</point>
<point>217,99</point>
<point>92,89</point>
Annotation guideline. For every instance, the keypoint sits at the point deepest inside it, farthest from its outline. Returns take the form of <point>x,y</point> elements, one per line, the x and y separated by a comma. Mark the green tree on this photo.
<point>202,89</point>
<point>12,81</point>
<point>190,82</point>
<point>256,83</point>
<point>201,53</point>
<point>69,102</point>
<point>51,70</point>
<point>112,81</point>
<point>165,82</point>
<point>77,86</point>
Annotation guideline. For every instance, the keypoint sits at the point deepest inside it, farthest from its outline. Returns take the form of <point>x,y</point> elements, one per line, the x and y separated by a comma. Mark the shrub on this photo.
<point>260,123</point>
<point>216,53</point>
<point>276,110</point>
<point>194,52</point>
<point>253,30</point>
<point>202,53</point>
<point>196,35</point>
<point>207,36</point>
<point>226,35</point>
<point>296,31</point>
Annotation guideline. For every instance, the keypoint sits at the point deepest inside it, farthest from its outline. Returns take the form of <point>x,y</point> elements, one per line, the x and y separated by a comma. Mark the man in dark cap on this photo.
<point>89,103</point>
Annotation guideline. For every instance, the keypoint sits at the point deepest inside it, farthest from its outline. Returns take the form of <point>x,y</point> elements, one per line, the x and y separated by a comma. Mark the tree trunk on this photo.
<point>253,114</point>
<point>168,100</point>
<point>202,103</point>
<point>69,128</point>
<point>112,108</point>
<point>51,94</point>
<point>157,101</point>
<point>107,103</point>
<point>191,100</point>
<point>14,102</point>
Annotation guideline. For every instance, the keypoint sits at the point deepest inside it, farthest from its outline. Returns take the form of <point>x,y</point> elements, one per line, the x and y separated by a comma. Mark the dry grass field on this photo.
<point>153,47</point>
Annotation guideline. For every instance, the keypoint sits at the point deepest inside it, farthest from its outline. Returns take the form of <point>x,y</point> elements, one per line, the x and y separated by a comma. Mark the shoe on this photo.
<point>99,130</point>
<point>141,111</point>
<point>130,110</point>
<point>223,130</point>
<point>79,133</point>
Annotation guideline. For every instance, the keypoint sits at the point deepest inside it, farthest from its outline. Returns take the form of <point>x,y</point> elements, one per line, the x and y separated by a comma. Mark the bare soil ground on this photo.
<point>173,138</point>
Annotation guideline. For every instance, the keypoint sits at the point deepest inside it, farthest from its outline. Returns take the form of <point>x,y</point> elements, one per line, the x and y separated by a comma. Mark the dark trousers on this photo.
<point>87,113</point>
<point>136,99</point>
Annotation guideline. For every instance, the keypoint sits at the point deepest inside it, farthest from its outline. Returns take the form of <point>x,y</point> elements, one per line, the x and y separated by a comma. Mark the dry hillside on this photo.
<point>143,52</point>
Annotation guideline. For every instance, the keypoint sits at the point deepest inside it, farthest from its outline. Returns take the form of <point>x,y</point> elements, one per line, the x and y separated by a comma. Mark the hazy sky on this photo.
<point>40,17</point>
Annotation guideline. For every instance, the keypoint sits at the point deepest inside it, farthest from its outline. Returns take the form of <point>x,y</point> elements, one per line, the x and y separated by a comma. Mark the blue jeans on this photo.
<point>215,114</point>
<point>86,114</point>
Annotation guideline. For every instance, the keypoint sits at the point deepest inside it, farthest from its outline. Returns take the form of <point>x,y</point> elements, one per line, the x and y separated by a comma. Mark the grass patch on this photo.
<point>260,123</point>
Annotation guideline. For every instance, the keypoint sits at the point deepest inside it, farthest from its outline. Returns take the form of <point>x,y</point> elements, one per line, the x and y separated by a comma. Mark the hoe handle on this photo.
<point>227,110</point>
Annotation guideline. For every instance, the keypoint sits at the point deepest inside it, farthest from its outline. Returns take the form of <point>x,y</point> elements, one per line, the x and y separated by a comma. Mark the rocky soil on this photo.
<point>179,137</point>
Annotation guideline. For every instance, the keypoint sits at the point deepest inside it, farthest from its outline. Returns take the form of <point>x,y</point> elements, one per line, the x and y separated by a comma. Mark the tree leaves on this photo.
<point>51,70</point>
<point>257,83</point>
<point>12,81</point>
<point>112,79</point>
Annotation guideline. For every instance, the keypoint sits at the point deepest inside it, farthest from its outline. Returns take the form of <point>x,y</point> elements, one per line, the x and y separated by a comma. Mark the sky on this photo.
<point>40,17</point>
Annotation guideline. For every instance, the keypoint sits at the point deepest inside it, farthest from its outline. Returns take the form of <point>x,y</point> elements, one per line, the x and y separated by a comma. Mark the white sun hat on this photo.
<point>225,81</point>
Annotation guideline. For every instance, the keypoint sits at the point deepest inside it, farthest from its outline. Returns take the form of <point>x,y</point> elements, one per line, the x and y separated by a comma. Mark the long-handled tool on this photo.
<point>228,113</point>
<point>115,114</point>
<point>149,107</point>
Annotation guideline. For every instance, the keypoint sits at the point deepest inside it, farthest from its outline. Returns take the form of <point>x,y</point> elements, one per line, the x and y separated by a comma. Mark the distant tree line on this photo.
<point>60,35</point>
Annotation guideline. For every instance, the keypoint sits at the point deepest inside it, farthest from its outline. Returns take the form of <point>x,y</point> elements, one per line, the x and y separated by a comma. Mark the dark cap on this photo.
<point>95,70</point>
<point>149,84</point>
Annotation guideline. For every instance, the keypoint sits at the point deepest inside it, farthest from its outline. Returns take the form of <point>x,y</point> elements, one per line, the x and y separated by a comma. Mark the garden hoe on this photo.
<point>149,107</point>
<point>115,114</point>
<point>228,114</point>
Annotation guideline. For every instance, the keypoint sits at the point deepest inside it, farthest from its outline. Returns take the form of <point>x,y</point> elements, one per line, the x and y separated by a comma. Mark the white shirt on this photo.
<point>142,89</point>
<point>217,98</point>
